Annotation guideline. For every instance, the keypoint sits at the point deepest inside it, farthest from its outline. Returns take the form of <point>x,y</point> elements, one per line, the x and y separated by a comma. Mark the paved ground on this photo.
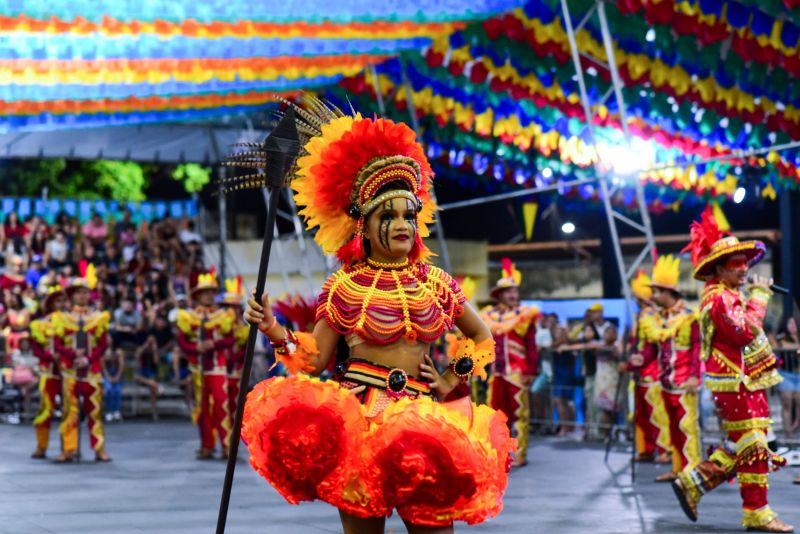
<point>154,485</point>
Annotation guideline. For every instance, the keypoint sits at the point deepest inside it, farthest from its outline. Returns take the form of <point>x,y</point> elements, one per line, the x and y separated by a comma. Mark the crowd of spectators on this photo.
<point>580,366</point>
<point>144,272</point>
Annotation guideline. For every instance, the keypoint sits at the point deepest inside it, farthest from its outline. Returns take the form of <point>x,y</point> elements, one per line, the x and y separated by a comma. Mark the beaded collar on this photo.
<point>382,304</point>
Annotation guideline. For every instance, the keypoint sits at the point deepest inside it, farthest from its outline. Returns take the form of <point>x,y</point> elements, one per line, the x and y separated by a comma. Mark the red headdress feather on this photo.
<point>703,234</point>
<point>298,309</point>
<point>507,267</point>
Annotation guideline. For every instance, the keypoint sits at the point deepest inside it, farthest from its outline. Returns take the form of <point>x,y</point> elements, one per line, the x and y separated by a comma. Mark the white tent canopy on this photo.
<point>167,143</point>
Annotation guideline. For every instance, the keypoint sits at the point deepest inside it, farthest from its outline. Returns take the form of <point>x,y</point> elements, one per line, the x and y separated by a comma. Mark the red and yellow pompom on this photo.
<point>300,436</point>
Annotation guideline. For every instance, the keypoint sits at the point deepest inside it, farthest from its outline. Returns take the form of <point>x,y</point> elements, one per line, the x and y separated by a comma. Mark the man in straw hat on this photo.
<point>514,330</point>
<point>677,340</point>
<point>232,299</point>
<point>651,420</point>
<point>205,337</point>
<point>50,384</point>
<point>81,339</point>
<point>740,365</point>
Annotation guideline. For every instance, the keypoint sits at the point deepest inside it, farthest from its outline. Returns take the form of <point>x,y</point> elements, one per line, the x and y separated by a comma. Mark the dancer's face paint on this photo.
<point>734,271</point>
<point>392,230</point>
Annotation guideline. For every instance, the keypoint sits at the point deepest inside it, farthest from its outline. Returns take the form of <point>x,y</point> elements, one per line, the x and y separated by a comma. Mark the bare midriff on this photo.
<point>400,354</point>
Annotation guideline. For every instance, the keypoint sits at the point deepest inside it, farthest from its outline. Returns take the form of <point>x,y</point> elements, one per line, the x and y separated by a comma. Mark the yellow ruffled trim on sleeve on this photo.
<point>40,331</point>
<point>61,322</point>
<point>98,323</point>
<point>187,322</point>
<point>222,320</point>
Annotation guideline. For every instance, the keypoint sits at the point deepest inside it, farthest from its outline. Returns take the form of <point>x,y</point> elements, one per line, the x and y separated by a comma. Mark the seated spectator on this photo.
<point>35,271</point>
<point>127,330</point>
<point>17,319</point>
<point>147,373</point>
<point>95,232</point>
<point>113,365</point>
<point>15,234</point>
<point>128,242</point>
<point>187,234</point>
<point>56,251</point>
<point>37,235</point>
<point>14,277</point>
<point>123,224</point>
<point>181,304</point>
<point>25,373</point>
<point>161,338</point>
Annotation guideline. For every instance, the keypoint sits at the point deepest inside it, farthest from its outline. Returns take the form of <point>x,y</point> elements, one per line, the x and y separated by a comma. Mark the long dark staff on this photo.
<point>276,156</point>
<point>617,395</point>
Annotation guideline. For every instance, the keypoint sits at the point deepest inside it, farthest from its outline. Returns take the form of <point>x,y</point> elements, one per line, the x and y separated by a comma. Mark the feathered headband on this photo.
<point>509,277</point>
<point>666,272</point>
<point>87,277</point>
<point>640,286</point>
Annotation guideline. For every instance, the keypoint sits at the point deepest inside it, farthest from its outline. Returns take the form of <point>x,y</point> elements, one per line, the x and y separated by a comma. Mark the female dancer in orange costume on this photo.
<point>376,439</point>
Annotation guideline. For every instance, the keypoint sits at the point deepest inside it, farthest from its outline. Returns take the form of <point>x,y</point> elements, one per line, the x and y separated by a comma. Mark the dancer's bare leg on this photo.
<point>419,529</point>
<point>357,525</point>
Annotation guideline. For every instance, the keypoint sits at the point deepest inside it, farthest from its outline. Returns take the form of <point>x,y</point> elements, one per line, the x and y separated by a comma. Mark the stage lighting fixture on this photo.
<point>739,195</point>
<point>567,227</point>
<point>651,35</point>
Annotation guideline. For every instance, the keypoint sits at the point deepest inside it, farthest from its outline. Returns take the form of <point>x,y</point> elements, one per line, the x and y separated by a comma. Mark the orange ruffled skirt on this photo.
<point>435,463</point>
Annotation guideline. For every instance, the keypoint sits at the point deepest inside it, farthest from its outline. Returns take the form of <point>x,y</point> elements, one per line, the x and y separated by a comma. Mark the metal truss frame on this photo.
<point>609,182</point>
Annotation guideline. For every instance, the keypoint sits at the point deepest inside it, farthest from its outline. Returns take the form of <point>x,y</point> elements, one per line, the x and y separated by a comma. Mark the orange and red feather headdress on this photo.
<point>346,160</point>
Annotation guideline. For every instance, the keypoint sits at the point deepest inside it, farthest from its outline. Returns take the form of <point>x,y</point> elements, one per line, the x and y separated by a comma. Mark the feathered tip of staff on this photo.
<point>309,118</point>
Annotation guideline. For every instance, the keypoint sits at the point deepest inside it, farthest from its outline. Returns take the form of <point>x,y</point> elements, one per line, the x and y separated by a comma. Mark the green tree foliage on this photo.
<point>193,176</point>
<point>101,179</point>
<point>117,180</point>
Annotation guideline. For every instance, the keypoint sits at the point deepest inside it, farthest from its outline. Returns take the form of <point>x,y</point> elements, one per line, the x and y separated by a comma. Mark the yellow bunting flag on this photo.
<point>529,210</point>
<point>719,216</point>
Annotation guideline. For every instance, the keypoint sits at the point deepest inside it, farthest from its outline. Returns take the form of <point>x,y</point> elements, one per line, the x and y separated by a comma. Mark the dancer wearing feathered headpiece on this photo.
<point>233,298</point>
<point>50,381</point>
<point>364,184</point>
<point>205,336</point>
<point>81,339</point>
<point>514,329</point>
<point>652,423</point>
<point>674,336</point>
<point>740,365</point>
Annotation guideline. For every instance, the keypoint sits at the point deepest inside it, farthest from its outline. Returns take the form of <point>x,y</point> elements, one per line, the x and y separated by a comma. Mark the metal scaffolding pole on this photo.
<point>605,178</point>
<point>223,224</point>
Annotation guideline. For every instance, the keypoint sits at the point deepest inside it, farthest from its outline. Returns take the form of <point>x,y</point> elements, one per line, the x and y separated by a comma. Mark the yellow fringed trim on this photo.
<point>759,517</point>
<point>724,460</point>
<point>746,424</point>
<point>759,479</point>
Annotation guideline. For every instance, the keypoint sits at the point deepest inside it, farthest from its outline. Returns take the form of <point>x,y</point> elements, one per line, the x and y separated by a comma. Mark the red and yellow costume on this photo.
<point>81,329</point>
<point>677,334</point>
<point>391,446</point>
<point>740,365</point>
<point>209,368</point>
<point>516,361</point>
<point>233,297</point>
<point>50,383</point>
<point>650,419</point>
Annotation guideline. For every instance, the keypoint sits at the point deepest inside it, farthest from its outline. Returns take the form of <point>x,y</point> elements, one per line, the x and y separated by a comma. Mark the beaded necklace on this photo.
<point>382,302</point>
